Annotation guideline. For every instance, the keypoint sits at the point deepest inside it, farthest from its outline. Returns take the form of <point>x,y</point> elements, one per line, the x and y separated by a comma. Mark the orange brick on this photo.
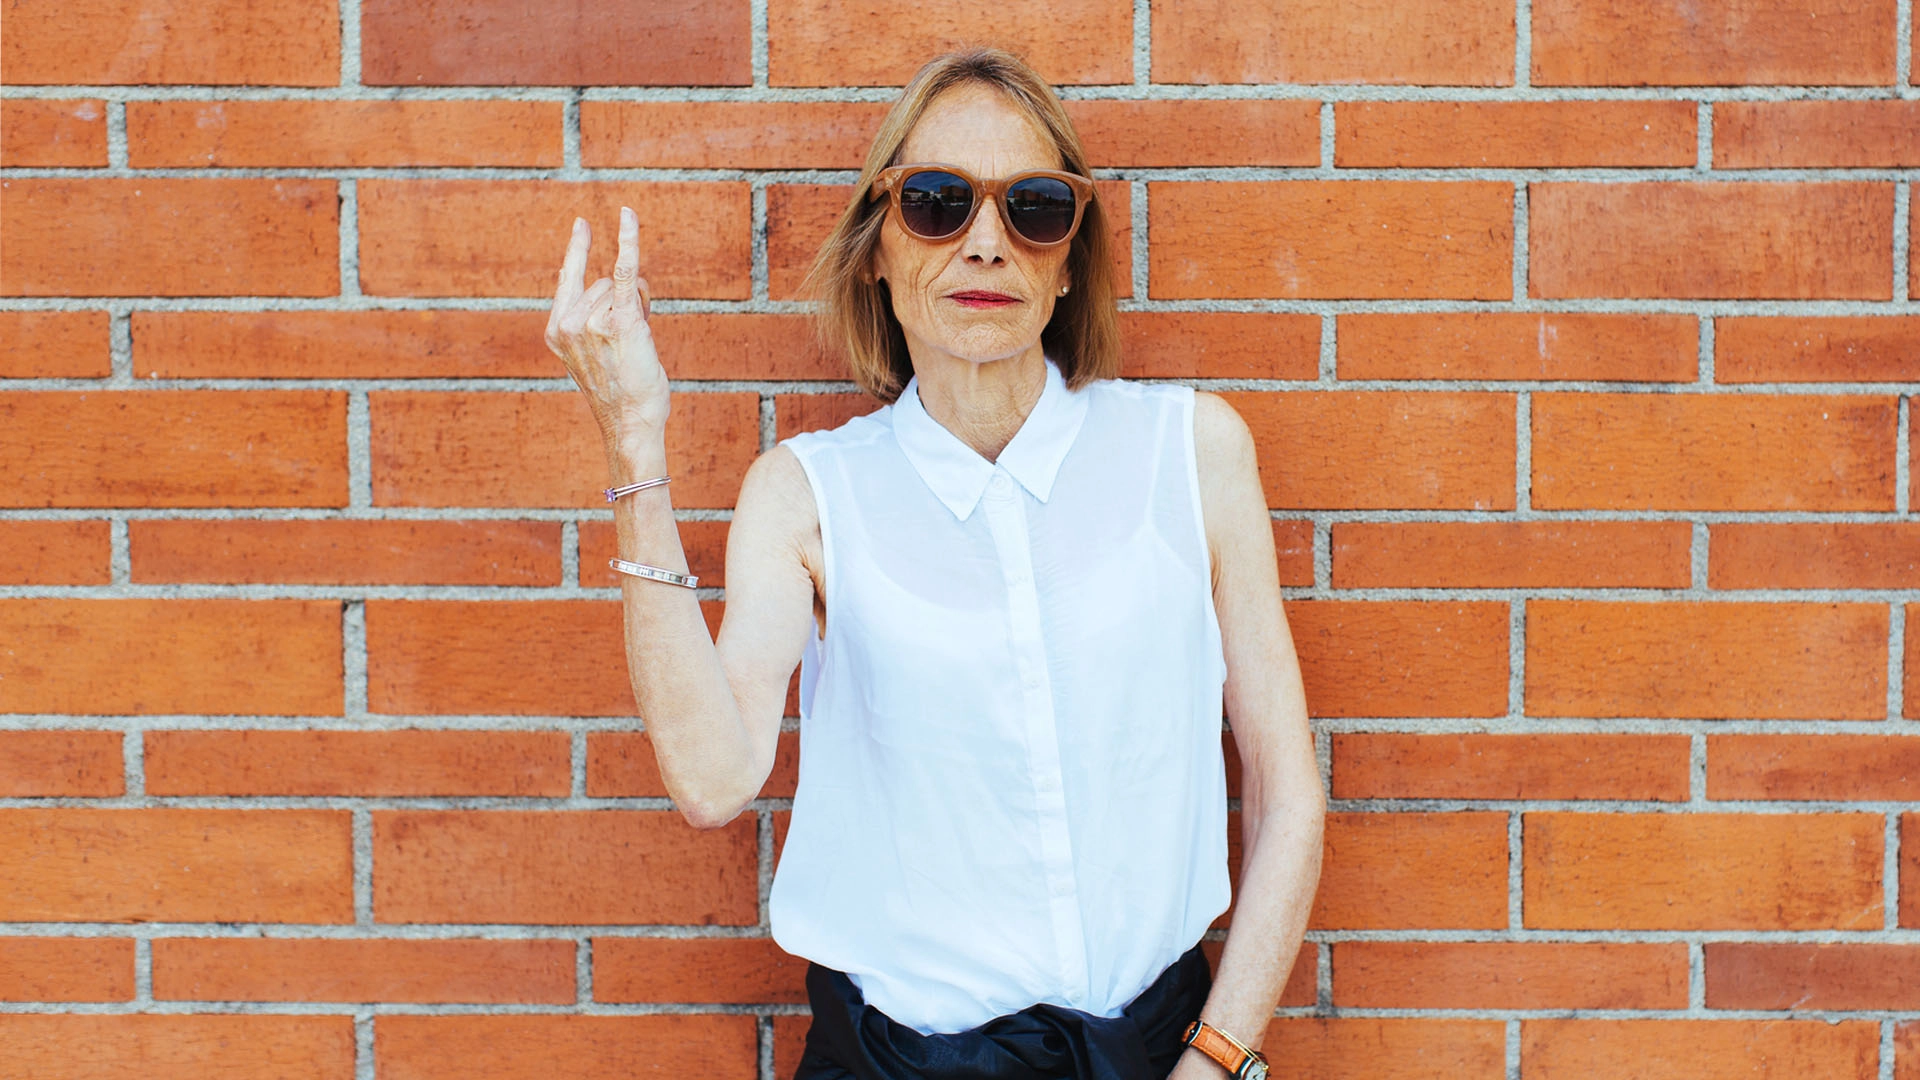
<point>705,544</point>
<point>1175,134</point>
<point>174,448</point>
<point>342,345</point>
<point>577,1047</point>
<point>790,1040</point>
<point>1401,870</point>
<point>744,345</point>
<point>1816,134</point>
<point>824,43</point>
<point>54,345</point>
<point>795,413</point>
<point>1733,240</point>
<point>221,42</point>
<point>1631,347</point>
<point>54,553</point>
<point>727,134</point>
<point>52,763</point>
<point>1331,239</point>
<point>140,1046</point>
<point>621,764</point>
<point>276,657</point>
<point>1471,765</point>
<point>451,448</point>
<point>1836,767</point>
<point>1509,975</point>
<point>731,971</point>
<point>493,42</point>
<point>1881,348</point>
<point>1402,657</point>
<point>1383,450</point>
<point>48,133</point>
<point>1809,975</point>
<point>317,134</point>
<point>1906,1037</point>
<point>347,552</point>
<point>1293,546</point>
<point>1421,42</point>
<point>1698,1049</point>
<point>169,237</point>
<point>1511,554</point>
<point>1698,871</point>
<point>168,865</point>
<point>1713,451</point>
<point>1909,875</point>
<point>296,969</point>
<point>1711,660</point>
<point>1514,134</point>
<point>1713,43</point>
<point>599,866</point>
<point>1815,555</point>
<point>1387,1048</point>
<point>507,237</point>
<point>66,969</point>
<point>1219,345</point>
<point>377,763</point>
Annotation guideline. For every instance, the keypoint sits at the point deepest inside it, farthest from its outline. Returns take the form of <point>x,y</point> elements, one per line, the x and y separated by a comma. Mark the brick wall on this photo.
<point>1578,339</point>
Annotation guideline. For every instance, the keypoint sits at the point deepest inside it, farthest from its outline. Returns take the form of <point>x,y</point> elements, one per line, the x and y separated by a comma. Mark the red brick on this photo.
<point>376,763</point>
<point>507,237</point>
<point>727,134</point>
<point>1473,765</point>
<point>1828,767</point>
<point>795,413</point>
<point>148,657</point>
<point>1718,660</point>
<point>1219,345</point>
<point>825,43</point>
<point>1815,555</point>
<point>66,969</point>
<point>342,345</point>
<point>1402,657</point>
<point>1581,1049</point>
<point>48,133</point>
<point>705,544</point>
<point>343,552</point>
<point>513,448</point>
<point>1713,43</point>
<point>577,1047</point>
<point>1402,870</point>
<point>168,865</point>
<point>1293,545</point>
<point>1880,348</point>
<point>1331,239</point>
<point>1419,42</point>
<point>790,1040</point>
<point>1812,975</point>
<point>54,345</point>
<point>1514,134</point>
<point>318,134</point>
<point>599,866</point>
<point>54,553</point>
<point>1378,450</point>
<point>169,237</point>
<point>1630,347</point>
<point>1816,134</point>
<point>730,971</point>
<point>138,1046</point>
<point>1387,1048</point>
<point>1186,134</point>
<point>1713,451</point>
<point>744,345</point>
<point>1909,874</point>
<point>1742,240</point>
<point>621,764</point>
<point>1509,975</point>
<point>574,43</point>
<point>1906,1039</point>
<point>1511,554</point>
<point>219,42</point>
<point>312,969</point>
<point>56,763</point>
<point>1701,871</point>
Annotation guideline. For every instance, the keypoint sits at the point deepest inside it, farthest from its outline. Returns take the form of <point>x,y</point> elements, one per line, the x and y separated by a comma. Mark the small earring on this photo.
<point>1064,288</point>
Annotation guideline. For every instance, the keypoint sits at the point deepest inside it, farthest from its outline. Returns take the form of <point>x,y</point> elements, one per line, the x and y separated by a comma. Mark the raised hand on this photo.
<point>601,333</point>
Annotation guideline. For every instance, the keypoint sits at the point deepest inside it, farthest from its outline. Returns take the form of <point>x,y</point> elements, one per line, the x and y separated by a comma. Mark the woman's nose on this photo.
<point>986,237</point>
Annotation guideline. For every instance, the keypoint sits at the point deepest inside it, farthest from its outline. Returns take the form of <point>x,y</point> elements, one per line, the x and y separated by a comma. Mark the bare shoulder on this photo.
<point>1222,442</point>
<point>776,498</point>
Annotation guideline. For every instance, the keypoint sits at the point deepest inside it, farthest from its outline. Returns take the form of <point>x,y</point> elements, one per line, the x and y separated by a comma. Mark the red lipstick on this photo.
<point>981,298</point>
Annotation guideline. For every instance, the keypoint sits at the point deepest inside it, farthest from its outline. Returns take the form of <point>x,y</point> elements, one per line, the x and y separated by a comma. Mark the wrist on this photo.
<point>635,457</point>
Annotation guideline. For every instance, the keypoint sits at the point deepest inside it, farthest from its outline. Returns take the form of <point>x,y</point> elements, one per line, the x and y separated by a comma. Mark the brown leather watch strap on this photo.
<point>1217,1045</point>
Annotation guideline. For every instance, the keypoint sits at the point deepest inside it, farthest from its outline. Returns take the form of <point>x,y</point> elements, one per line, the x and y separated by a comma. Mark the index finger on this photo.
<point>626,264</point>
<point>573,269</point>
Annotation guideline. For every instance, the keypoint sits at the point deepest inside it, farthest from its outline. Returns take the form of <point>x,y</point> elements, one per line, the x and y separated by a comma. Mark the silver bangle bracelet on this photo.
<point>628,489</point>
<point>653,573</point>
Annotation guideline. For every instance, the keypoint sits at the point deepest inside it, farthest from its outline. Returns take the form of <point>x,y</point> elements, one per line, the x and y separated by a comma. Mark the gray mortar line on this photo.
<point>1142,46</point>
<point>1523,453</point>
<point>1902,253</point>
<point>1902,47</point>
<point>1708,343</point>
<point>1523,46</point>
<point>116,135</point>
<point>758,45</point>
<point>1703,138</point>
<point>1903,455</point>
<point>1513,1033</point>
<point>1896,655</point>
<point>1890,873</point>
<point>133,763</point>
<point>570,553</point>
<point>577,765</point>
<point>1699,557</point>
<point>119,560</point>
<point>353,658</point>
<point>1517,656</point>
<point>359,443</point>
<point>1516,862</point>
<point>1137,225</point>
<point>363,1044</point>
<point>583,970</point>
<point>350,45</point>
<point>1521,265</point>
<point>1886,1050</point>
<point>362,869</point>
<point>570,134</point>
<point>769,426</point>
<point>1697,771</point>
<point>142,974</point>
<point>759,270</point>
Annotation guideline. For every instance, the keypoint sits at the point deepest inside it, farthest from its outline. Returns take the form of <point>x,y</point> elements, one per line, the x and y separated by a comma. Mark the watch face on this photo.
<point>1257,1071</point>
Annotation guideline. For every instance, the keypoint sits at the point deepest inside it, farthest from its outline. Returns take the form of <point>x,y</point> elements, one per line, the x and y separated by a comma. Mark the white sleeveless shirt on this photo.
<point>1011,786</point>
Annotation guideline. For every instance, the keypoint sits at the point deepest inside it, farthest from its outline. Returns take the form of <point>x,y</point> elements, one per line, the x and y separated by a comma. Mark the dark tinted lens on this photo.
<point>1041,208</point>
<point>934,204</point>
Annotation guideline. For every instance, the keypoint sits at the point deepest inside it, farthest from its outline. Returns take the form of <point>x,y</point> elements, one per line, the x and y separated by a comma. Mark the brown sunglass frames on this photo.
<point>936,202</point>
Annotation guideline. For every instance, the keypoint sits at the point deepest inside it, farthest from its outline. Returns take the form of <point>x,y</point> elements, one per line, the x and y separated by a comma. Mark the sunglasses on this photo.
<point>1041,206</point>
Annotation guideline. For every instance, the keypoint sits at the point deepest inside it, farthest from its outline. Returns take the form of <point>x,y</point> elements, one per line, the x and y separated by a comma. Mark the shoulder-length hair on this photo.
<point>855,313</point>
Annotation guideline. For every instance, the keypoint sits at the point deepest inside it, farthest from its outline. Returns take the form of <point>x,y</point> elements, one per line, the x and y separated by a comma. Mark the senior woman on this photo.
<point>1020,595</point>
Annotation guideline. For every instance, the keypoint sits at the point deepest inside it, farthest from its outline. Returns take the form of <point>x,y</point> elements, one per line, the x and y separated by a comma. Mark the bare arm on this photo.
<point>712,711</point>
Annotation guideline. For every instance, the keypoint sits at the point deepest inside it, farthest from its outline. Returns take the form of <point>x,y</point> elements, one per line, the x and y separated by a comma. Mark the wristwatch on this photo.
<point>1240,1061</point>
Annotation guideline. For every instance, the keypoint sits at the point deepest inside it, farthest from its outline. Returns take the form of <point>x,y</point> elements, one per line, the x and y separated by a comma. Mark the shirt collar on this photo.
<point>958,474</point>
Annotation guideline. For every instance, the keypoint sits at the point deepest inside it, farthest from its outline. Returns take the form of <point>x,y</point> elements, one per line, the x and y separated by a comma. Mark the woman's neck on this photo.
<point>982,404</point>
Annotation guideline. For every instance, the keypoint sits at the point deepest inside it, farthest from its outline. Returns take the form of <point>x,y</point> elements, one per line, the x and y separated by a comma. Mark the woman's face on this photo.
<point>936,287</point>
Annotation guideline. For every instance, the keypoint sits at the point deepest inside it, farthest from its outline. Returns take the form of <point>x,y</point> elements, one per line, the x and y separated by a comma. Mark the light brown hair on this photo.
<point>855,314</point>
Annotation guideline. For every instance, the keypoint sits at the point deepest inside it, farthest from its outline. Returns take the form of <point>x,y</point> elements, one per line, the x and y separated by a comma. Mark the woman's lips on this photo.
<point>976,298</point>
